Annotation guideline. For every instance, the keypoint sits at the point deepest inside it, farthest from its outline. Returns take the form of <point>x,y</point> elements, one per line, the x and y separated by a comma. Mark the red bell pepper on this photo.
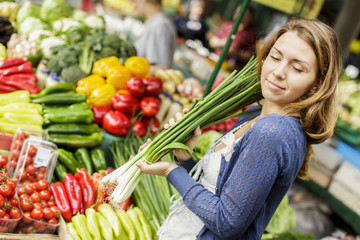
<point>136,87</point>
<point>10,62</point>
<point>116,123</point>
<point>155,124</point>
<point>139,128</point>
<point>84,180</point>
<point>74,192</point>
<point>23,68</point>
<point>153,86</point>
<point>61,199</point>
<point>125,103</point>
<point>150,106</point>
<point>100,112</point>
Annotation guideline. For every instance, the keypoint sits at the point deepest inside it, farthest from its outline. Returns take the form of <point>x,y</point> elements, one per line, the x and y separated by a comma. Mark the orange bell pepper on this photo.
<point>118,77</point>
<point>89,83</point>
<point>138,66</point>
<point>102,95</point>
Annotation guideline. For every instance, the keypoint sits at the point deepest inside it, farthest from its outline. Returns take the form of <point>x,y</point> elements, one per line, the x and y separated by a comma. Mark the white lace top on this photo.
<point>206,172</point>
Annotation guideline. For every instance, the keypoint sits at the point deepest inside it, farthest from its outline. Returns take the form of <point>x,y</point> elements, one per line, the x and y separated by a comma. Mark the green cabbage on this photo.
<point>52,10</point>
<point>205,141</point>
<point>27,10</point>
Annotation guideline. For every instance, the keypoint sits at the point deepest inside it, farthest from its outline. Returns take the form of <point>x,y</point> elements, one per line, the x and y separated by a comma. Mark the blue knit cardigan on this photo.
<point>252,184</point>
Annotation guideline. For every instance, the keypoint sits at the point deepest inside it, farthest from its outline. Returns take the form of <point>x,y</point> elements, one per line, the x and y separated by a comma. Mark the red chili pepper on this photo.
<point>136,87</point>
<point>10,62</point>
<point>125,103</point>
<point>20,84</point>
<point>84,180</point>
<point>28,77</point>
<point>23,68</point>
<point>153,86</point>
<point>155,124</point>
<point>126,204</point>
<point>6,88</point>
<point>74,192</point>
<point>139,128</point>
<point>99,113</point>
<point>116,123</point>
<point>150,106</point>
<point>82,208</point>
<point>61,199</point>
<point>108,171</point>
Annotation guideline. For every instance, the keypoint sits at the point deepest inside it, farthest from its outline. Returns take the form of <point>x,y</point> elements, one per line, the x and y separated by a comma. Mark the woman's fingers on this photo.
<point>145,144</point>
<point>178,116</point>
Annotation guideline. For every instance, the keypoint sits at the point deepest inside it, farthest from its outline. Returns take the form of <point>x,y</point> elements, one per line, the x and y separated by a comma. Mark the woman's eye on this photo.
<point>275,58</point>
<point>298,69</point>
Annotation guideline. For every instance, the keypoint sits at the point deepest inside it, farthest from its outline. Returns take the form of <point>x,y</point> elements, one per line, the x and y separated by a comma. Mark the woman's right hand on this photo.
<point>181,154</point>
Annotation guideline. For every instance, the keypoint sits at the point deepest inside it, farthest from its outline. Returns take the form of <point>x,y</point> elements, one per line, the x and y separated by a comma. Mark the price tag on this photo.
<point>43,157</point>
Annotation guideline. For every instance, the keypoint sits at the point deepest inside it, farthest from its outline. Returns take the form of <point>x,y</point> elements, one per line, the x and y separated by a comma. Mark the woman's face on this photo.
<point>289,70</point>
<point>139,6</point>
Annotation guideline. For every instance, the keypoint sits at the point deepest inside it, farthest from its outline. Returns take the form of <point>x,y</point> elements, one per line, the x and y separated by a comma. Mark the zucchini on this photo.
<point>73,128</point>
<point>98,159</point>
<point>76,140</point>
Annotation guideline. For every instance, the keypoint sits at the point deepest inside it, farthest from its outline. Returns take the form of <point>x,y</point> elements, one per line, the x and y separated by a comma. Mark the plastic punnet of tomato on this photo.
<point>36,161</point>
<point>40,213</point>
<point>15,149</point>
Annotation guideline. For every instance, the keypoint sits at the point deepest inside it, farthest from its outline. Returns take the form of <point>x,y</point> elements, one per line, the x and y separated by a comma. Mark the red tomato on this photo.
<point>26,205</point>
<point>48,213</point>
<point>7,206</point>
<point>51,203</point>
<point>40,176</point>
<point>30,188</point>
<point>56,211</point>
<point>45,194</point>
<point>10,183</point>
<point>14,201</point>
<point>35,197</point>
<point>27,217</point>
<point>39,223</point>
<point>30,229</point>
<point>2,201</point>
<point>44,203</point>
<point>14,155</point>
<point>30,169</point>
<point>32,150</point>
<point>15,213</point>
<point>37,213</point>
<point>5,190</point>
<point>23,196</point>
<point>2,213</point>
<point>41,185</point>
<point>17,144</point>
<point>3,160</point>
<point>38,205</point>
<point>21,135</point>
<point>52,221</point>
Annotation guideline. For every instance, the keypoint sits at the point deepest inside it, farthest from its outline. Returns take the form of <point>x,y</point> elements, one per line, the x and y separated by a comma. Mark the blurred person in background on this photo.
<point>193,26</point>
<point>242,46</point>
<point>157,42</point>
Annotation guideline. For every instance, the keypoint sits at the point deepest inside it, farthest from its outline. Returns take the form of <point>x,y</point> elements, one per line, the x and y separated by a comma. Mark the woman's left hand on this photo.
<point>161,168</point>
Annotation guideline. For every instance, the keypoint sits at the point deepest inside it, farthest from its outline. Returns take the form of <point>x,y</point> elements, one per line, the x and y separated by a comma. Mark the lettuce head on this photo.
<point>52,10</point>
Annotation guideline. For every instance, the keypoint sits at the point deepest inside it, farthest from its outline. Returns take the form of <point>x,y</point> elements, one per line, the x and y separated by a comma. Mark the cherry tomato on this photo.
<point>35,197</point>
<point>7,206</point>
<point>5,190</point>
<point>38,205</point>
<point>26,204</point>
<point>42,169</point>
<point>44,203</point>
<point>14,201</point>
<point>39,223</point>
<point>52,221</point>
<point>32,150</point>
<point>2,201</point>
<point>30,188</point>
<point>17,144</point>
<point>21,135</point>
<point>31,178</point>
<point>30,229</point>
<point>11,183</point>
<point>2,212</point>
<point>5,219</point>
<point>45,194</point>
<point>15,156</point>
<point>40,176</point>
<point>41,185</point>
<point>56,211</point>
<point>30,169</point>
<point>3,160</point>
<point>27,217</point>
<point>51,203</point>
<point>37,213</point>
<point>48,213</point>
<point>23,196</point>
<point>15,213</point>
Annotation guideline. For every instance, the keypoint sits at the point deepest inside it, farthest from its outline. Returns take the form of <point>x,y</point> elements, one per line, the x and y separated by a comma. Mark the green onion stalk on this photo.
<point>237,91</point>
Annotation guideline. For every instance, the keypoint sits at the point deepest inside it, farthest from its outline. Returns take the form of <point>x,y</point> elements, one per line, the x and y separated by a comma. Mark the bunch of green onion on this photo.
<point>237,91</point>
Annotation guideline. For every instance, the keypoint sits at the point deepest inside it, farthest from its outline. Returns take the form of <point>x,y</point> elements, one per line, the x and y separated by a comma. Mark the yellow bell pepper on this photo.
<point>118,78</point>
<point>138,66</point>
<point>102,95</point>
<point>89,83</point>
<point>102,66</point>
<point>123,91</point>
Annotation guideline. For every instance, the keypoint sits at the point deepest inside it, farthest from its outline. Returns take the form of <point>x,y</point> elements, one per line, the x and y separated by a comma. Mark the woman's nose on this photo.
<point>280,72</point>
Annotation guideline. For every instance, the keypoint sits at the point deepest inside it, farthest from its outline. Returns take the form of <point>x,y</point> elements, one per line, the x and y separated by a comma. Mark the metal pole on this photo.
<point>225,50</point>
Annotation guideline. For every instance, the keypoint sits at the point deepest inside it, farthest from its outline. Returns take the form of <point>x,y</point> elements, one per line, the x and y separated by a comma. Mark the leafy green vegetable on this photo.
<point>27,10</point>
<point>205,141</point>
<point>283,220</point>
<point>52,10</point>
<point>30,24</point>
<point>72,74</point>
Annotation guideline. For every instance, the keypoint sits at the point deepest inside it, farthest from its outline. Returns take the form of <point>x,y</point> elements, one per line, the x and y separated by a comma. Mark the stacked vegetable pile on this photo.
<point>122,93</point>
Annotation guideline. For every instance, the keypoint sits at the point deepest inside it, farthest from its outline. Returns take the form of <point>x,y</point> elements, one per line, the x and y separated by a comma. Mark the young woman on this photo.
<point>234,190</point>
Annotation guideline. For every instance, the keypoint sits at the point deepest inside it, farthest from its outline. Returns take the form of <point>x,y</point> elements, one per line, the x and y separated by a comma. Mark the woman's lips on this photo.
<point>273,85</point>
